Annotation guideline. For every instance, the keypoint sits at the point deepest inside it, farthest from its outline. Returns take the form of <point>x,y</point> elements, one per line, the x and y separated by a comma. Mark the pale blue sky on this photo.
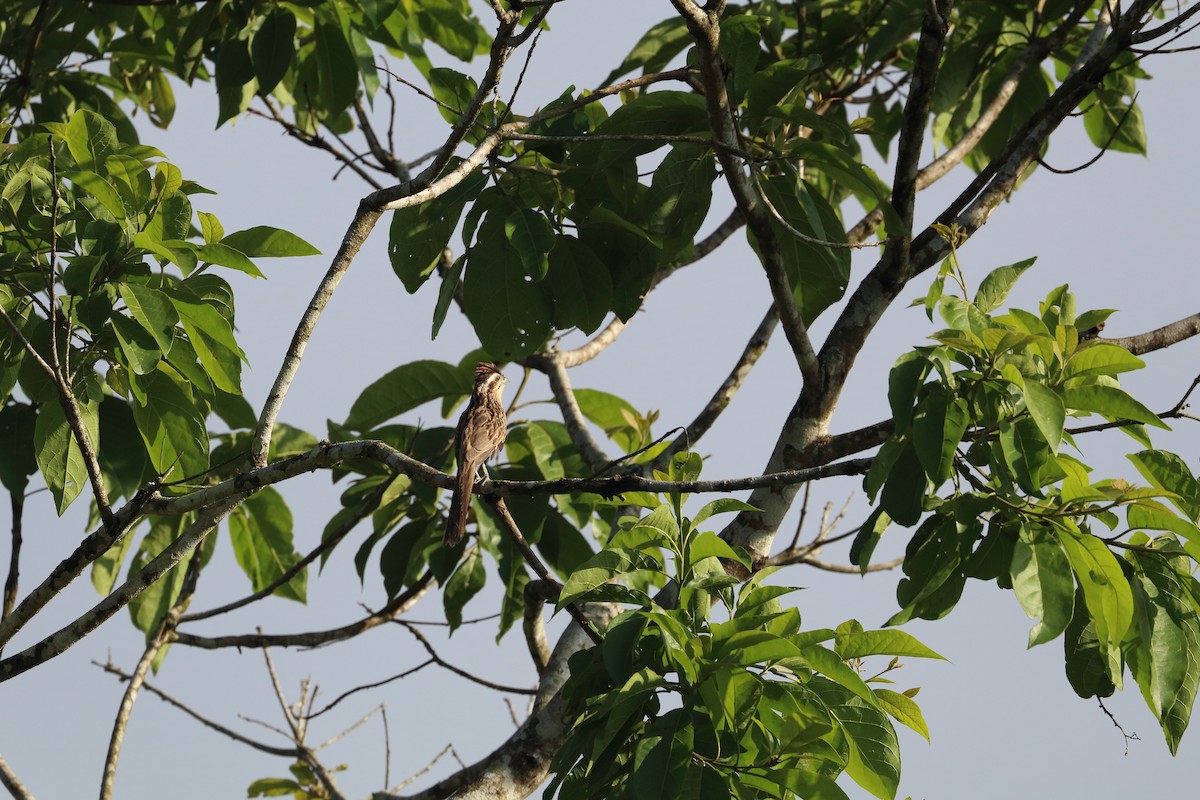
<point>1004,720</point>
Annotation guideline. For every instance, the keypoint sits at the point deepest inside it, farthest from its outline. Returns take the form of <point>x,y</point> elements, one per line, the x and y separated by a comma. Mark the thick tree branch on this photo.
<point>1157,339</point>
<point>58,642</point>
<point>10,781</point>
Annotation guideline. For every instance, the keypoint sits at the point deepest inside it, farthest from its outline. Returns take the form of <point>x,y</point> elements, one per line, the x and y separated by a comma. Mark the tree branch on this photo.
<point>516,768</point>
<point>399,604</point>
<point>531,558</point>
<point>153,648</point>
<point>65,637</point>
<point>725,392</point>
<point>1159,338</point>
<point>462,673</point>
<point>564,396</point>
<point>169,700</point>
<point>17,503</point>
<point>703,24</point>
<point>10,781</point>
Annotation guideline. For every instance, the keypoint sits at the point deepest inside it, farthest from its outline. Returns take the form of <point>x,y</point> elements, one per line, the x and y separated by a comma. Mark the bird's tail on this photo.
<point>460,506</point>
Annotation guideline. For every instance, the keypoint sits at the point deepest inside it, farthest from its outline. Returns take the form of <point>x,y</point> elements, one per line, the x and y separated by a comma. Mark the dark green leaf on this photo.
<point>404,388</point>
<point>273,48</point>
<point>464,584</point>
<point>581,283</point>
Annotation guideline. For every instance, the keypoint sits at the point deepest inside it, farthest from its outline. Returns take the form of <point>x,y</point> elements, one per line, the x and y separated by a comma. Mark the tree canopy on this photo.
<point>686,669</point>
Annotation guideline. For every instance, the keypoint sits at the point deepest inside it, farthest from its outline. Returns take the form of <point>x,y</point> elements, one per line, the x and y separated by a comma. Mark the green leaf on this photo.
<point>1166,661</point>
<point>662,755</point>
<point>709,545</point>
<point>997,284</point>
<point>722,505</point>
<point>235,79</point>
<point>106,568</point>
<point>18,458</point>
<point>1041,579</point>
<point>531,237</point>
<point>884,643</point>
<point>655,49</point>
<point>100,189</point>
<point>874,759</point>
<point>263,241</point>
<point>418,234</point>
<point>171,426</point>
<point>905,378</point>
<point>818,274</point>
<point>274,787</point>
<point>902,709</point>
<point>337,70</point>
<point>153,310</point>
<point>223,255</point>
<point>464,584</point>
<point>58,453</point>
<point>1047,410</point>
<point>90,138</point>
<point>1170,472</point>
<point>512,314</point>
<point>1110,402</point>
<point>1105,591</point>
<point>403,389</point>
<point>615,416</point>
<point>260,531</point>
<point>1099,358</point>
<point>1026,452</point>
<point>149,607</point>
<point>273,48</point>
<point>939,424</point>
<point>212,337</point>
<point>679,197</point>
<point>140,351</point>
<point>904,491</point>
<point>453,92</point>
<point>446,294</point>
<point>581,283</point>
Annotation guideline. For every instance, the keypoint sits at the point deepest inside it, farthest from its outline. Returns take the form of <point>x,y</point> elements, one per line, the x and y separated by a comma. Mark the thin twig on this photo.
<point>401,603</point>
<point>234,735</point>
<point>327,544</point>
<point>462,673</point>
<point>365,687</point>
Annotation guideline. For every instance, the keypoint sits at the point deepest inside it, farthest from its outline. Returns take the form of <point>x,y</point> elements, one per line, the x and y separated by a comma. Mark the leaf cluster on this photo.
<point>678,702</point>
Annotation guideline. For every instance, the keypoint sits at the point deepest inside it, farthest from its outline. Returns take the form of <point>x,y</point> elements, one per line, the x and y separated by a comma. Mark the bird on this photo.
<point>479,436</point>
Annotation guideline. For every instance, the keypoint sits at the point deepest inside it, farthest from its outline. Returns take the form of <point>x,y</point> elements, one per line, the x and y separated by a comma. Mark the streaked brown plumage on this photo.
<point>479,436</point>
